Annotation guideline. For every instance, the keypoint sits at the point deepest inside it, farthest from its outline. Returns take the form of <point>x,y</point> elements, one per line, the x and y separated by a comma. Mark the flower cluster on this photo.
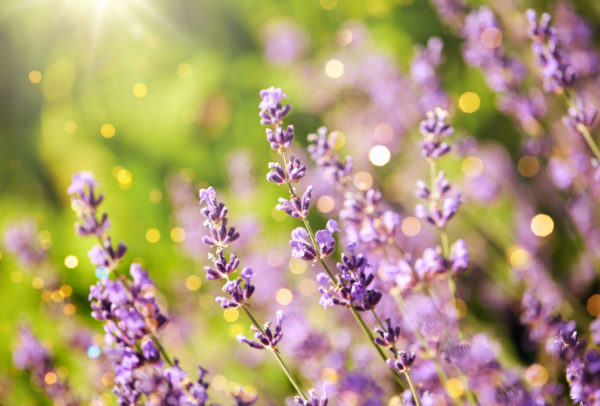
<point>32,356</point>
<point>265,337</point>
<point>21,239</point>
<point>240,289</point>
<point>558,74</point>
<point>144,373</point>
<point>351,287</point>
<point>441,206</point>
<point>364,217</point>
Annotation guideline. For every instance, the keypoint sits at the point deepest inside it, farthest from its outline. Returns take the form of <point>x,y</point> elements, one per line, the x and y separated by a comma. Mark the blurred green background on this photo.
<point>141,92</point>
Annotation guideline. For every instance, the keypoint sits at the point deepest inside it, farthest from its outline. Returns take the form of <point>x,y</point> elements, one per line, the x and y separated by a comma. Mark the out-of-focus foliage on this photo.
<point>158,99</point>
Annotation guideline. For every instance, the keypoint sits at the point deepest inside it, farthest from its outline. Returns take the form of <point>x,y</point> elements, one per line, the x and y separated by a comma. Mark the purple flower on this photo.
<point>97,256</point>
<point>271,110</point>
<point>430,264</point>
<point>402,362</point>
<point>281,138</point>
<point>32,356</point>
<point>267,338</point>
<point>222,266</point>
<point>325,240</point>
<point>276,174</point>
<point>313,400</point>
<point>21,239</point>
<point>436,216</point>
<point>239,294</point>
<point>295,169</point>
<point>279,176</point>
<point>150,351</point>
<point>389,336</point>
<point>580,115</point>
<point>351,286</point>
<point>557,74</point>
<point>434,128</point>
<point>82,182</point>
<point>301,247</point>
<point>297,206</point>
<point>422,190</point>
<point>595,331</point>
<point>459,256</point>
<point>215,212</point>
<point>322,152</point>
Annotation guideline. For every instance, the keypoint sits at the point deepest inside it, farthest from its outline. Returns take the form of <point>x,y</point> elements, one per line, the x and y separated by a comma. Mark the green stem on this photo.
<point>285,369</point>
<point>357,316</point>
<point>405,373</point>
<point>444,242</point>
<point>590,141</point>
<point>162,350</point>
<point>412,387</point>
<point>440,371</point>
<point>364,327</point>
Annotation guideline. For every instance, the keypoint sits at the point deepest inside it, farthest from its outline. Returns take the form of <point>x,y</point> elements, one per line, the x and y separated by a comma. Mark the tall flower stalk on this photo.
<point>560,76</point>
<point>441,205</point>
<point>350,287</point>
<point>240,288</point>
<point>144,372</point>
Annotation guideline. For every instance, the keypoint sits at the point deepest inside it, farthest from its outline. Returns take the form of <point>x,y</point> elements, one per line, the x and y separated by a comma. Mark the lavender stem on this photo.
<point>356,315</point>
<point>285,369</point>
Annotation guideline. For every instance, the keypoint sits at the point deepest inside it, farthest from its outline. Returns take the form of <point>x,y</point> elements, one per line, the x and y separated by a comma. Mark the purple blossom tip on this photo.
<point>207,195</point>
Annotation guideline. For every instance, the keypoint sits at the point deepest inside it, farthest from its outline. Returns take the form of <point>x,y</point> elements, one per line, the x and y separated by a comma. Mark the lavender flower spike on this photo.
<point>265,339</point>
<point>297,206</point>
<point>271,110</point>
<point>557,73</point>
<point>434,128</point>
<point>131,315</point>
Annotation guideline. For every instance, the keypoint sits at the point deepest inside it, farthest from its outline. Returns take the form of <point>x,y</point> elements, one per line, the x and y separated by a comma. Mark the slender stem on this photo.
<point>357,316</point>
<point>364,327</point>
<point>285,369</point>
<point>162,350</point>
<point>412,387</point>
<point>590,141</point>
<point>440,371</point>
<point>445,243</point>
<point>289,375</point>
<point>445,246</point>
<point>405,373</point>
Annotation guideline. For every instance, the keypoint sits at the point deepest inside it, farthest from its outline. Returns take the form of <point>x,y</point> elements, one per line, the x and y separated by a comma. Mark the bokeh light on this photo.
<point>379,155</point>
<point>334,68</point>
<point>469,102</point>
<point>363,180</point>
<point>593,305</point>
<point>71,261</point>
<point>542,225</point>
<point>35,76</point>
<point>472,166</point>
<point>528,166</point>
<point>108,130</point>
<point>140,90</point>
<point>491,37</point>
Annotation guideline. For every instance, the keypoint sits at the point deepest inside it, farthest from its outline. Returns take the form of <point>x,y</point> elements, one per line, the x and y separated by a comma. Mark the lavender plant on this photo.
<point>240,289</point>
<point>350,287</point>
<point>144,372</point>
<point>559,75</point>
<point>31,355</point>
